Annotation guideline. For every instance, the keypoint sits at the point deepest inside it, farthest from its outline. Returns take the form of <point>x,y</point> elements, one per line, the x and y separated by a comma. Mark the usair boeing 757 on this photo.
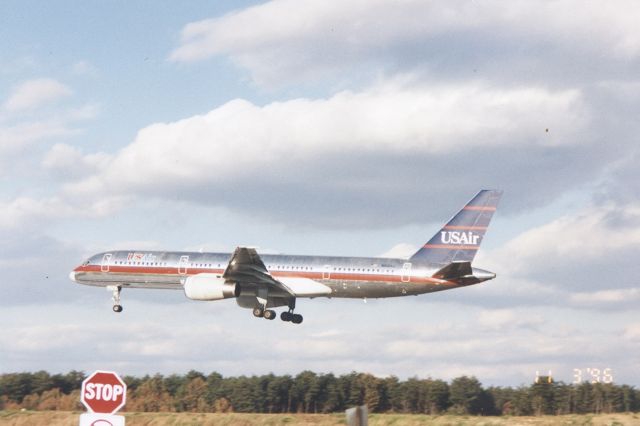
<point>262,283</point>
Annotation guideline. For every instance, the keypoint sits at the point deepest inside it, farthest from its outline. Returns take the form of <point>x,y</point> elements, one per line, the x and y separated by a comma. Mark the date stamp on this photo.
<point>592,375</point>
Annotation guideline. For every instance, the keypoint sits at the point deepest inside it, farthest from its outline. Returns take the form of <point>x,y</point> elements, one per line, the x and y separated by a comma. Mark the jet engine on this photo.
<point>209,287</point>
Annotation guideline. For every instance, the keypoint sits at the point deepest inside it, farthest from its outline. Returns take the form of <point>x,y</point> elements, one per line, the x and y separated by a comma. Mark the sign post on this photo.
<point>103,393</point>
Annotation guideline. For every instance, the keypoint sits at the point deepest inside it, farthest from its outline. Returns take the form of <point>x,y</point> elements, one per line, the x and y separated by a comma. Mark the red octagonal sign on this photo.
<point>103,392</point>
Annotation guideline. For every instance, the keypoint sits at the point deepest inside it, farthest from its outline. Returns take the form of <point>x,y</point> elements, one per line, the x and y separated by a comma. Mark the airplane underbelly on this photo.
<point>156,281</point>
<point>373,289</point>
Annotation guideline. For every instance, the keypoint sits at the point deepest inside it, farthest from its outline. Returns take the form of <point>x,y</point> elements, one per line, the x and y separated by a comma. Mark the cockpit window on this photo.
<point>86,262</point>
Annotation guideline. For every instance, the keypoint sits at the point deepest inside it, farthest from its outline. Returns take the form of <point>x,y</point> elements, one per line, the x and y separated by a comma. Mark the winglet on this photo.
<point>460,239</point>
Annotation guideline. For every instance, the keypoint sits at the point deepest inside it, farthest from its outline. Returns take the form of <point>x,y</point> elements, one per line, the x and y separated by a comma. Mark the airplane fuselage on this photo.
<point>262,283</point>
<point>350,277</point>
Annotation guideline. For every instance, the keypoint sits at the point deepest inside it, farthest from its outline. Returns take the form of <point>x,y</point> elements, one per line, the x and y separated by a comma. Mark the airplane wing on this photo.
<point>247,266</point>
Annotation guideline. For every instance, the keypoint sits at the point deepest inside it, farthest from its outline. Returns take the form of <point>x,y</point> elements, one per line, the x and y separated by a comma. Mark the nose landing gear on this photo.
<point>117,307</point>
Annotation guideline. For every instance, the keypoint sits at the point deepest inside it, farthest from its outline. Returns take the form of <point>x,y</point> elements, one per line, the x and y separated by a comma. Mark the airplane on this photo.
<point>262,283</point>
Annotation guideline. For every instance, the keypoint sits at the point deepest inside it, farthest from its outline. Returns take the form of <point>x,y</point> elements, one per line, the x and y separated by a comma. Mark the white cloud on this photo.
<point>594,233</point>
<point>35,93</point>
<point>26,211</point>
<point>501,319</point>
<point>20,133</point>
<point>83,68</point>
<point>585,259</point>
<point>632,332</point>
<point>68,161</point>
<point>239,139</point>
<point>403,151</point>
<point>16,137</point>
<point>288,38</point>
<point>425,345</point>
<point>612,298</point>
<point>400,251</point>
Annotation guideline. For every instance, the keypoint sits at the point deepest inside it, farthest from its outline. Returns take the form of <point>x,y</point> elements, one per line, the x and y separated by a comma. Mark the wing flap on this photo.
<point>305,287</point>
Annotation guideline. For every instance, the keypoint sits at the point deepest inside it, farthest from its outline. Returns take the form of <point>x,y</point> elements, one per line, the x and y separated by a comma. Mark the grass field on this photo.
<point>60,418</point>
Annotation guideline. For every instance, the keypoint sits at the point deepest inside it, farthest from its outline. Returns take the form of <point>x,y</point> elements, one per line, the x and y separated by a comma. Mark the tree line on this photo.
<point>309,392</point>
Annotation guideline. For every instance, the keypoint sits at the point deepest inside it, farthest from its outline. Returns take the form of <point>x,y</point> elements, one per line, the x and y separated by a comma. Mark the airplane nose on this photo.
<point>72,275</point>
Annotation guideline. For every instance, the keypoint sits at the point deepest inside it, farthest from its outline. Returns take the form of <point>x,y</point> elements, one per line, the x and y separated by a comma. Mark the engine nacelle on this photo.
<point>209,287</point>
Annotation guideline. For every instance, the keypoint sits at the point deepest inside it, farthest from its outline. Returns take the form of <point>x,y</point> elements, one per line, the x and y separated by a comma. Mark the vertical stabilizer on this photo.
<point>460,239</point>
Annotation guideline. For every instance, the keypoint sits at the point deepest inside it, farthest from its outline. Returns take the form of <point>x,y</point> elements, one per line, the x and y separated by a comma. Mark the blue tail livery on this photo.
<point>460,239</point>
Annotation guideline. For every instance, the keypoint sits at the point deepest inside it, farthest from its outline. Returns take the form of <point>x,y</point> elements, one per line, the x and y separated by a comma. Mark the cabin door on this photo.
<point>326,272</point>
<point>106,259</point>
<point>182,265</point>
<point>406,273</point>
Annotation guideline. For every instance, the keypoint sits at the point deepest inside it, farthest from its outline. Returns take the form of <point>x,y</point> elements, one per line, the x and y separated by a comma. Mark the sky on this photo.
<point>323,128</point>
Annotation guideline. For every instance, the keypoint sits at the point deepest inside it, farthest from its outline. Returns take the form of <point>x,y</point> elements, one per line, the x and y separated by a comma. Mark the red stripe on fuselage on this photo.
<point>318,276</point>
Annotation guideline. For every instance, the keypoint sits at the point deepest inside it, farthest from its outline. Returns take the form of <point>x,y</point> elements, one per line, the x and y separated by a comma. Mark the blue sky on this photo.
<point>323,128</point>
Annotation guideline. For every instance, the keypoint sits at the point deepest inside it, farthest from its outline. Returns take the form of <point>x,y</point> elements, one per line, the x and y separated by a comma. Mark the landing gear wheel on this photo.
<point>117,308</point>
<point>269,314</point>
<point>296,318</point>
<point>286,316</point>
<point>258,312</point>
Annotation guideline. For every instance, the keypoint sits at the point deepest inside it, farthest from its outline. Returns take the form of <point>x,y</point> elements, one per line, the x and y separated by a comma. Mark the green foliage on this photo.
<point>468,397</point>
<point>309,392</point>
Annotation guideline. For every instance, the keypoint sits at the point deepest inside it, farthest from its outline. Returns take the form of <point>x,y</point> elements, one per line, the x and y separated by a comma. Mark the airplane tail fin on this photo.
<point>460,239</point>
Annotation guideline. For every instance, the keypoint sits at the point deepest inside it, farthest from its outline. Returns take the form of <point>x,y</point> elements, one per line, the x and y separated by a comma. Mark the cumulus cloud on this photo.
<point>353,145</point>
<point>284,38</point>
<point>35,93</point>
<point>507,319</point>
<point>21,134</point>
<point>25,209</point>
<point>24,212</point>
<point>584,235</point>
<point>594,271</point>
<point>584,259</point>
<point>34,267</point>
<point>632,332</point>
<point>613,299</point>
<point>16,137</point>
<point>401,250</point>
<point>67,161</point>
<point>427,343</point>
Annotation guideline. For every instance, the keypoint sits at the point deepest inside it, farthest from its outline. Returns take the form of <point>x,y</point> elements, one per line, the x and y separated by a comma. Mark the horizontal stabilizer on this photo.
<point>454,270</point>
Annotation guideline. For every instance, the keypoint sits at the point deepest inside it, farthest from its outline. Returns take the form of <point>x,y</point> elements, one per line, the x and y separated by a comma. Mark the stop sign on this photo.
<point>103,392</point>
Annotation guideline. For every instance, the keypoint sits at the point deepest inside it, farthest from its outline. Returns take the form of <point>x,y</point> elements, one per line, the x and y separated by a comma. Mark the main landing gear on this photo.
<point>286,316</point>
<point>289,316</point>
<point>117,307</point>
<point>259,312</point>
